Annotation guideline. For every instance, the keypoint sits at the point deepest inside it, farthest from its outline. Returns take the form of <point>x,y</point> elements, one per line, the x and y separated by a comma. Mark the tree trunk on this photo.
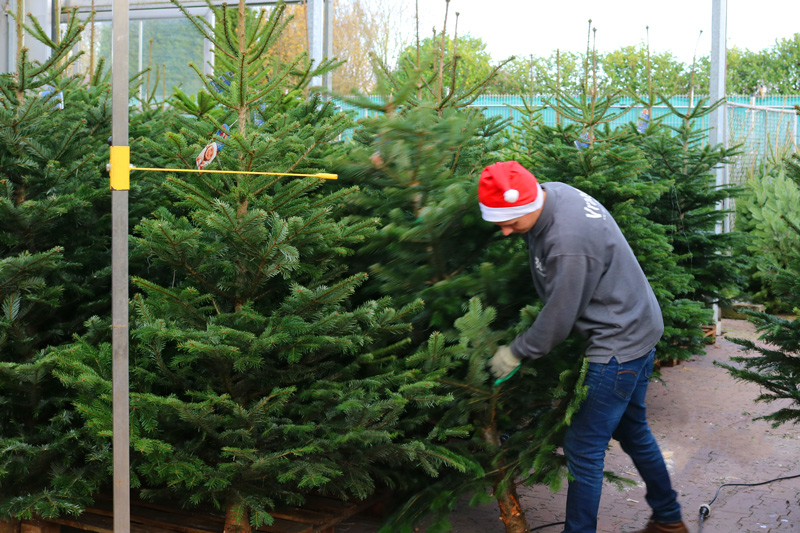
<point>237,519</point>
<point>511,513</point>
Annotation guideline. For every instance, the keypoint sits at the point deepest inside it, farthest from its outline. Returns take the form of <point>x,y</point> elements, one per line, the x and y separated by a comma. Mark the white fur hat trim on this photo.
<point>502,214</point>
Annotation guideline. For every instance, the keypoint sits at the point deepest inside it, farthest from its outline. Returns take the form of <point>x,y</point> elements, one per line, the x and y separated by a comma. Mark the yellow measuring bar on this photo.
<point>321,175</point>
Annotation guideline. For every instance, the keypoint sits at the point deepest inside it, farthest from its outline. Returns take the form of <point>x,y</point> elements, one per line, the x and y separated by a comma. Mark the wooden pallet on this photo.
<point>318,515</point>
<point>669,362</point>
<point>710,332</point>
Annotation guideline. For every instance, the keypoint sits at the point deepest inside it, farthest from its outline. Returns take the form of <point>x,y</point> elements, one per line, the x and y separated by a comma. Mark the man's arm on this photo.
<point>575,278</point>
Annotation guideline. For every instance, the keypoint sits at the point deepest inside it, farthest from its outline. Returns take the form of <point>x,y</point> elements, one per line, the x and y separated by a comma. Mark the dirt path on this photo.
<point>703,420</point>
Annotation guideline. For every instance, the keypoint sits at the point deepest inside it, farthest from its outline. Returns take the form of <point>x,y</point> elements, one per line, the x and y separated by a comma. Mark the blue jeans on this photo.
<point>614,407</point>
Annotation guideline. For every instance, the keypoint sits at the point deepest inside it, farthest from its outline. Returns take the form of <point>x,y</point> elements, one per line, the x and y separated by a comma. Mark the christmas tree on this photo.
<point>416,160</point>
<point>695,209</point>
<point>423,190</point>
<point>417,163</point>
<point>692,207</point>
<point>254,378</point>
<point>513,431</point>
<point>773,363</point>
<point>761,213</point>
<point>53,265</point>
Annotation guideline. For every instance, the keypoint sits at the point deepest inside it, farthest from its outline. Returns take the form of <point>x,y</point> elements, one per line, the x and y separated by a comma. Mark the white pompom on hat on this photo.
<point>507,190</point>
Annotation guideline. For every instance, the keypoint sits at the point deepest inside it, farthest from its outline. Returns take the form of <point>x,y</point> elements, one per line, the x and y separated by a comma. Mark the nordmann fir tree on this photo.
<point>254,381</point>
<point>513,430</point>
<point>691,207</point>
<point>53,265</point>
<point>417,162</point>
<point>773,363</point>
<point>695,208</point>
<point>761,213</point>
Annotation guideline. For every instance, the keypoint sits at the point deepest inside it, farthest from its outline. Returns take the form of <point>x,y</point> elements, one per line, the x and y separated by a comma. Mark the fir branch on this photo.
<point>275,81</point>
<point>304,156</point>
<point>67,141</point>
<point>480,394</point>
<point>203,28</point>
<point>154,351</point>
<point>169,295</point>
<point>320,297</point>
<point>207,202</point>
<point>274,29</point>
<point>470,96</point>
<point>306,185</point>
<point>262,274</point>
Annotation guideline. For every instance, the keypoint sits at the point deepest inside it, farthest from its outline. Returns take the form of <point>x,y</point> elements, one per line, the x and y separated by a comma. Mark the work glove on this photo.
<point>504,364</point>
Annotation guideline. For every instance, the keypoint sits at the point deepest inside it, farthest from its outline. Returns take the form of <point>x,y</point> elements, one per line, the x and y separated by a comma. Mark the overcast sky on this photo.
<point>538,27</point>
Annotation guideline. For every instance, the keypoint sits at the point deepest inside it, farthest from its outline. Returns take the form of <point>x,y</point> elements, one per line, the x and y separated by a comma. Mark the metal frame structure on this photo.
<point>50,13</point>
<point>44,12</point>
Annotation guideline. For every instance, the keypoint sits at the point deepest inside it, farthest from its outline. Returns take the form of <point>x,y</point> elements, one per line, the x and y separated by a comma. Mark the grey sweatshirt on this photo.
<point>589,279</point>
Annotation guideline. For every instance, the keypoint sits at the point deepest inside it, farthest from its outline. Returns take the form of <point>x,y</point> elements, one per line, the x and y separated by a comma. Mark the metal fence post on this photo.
<point>315,18</point>
<point>718,128</point>
<point>120,184</point>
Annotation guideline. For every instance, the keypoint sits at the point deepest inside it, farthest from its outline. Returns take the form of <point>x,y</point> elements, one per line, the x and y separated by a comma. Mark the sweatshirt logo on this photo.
<point>537,263</point>
<point>593,209</point>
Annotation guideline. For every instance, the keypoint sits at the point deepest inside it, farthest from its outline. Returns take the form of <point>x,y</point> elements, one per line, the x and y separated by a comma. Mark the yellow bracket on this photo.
<point>120,168</point>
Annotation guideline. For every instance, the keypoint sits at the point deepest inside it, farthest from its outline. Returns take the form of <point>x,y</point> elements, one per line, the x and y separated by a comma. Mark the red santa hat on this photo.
<point>507,190</point>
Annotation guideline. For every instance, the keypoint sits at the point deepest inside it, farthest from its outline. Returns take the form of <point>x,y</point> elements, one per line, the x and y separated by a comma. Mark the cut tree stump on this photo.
<point>319,514</point>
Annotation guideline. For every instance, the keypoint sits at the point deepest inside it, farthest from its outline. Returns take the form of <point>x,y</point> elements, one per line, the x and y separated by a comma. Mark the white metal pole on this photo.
<point>55,21</point>
<point>314,19</point>
<point>120,184</point>
<point>11,37</point>
<point>142,88</point>
<point>208,54</point>
<point>718,131</point>
<point>327,41</point>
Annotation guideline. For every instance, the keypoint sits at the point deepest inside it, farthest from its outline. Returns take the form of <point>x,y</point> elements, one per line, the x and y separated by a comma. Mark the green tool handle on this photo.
<point>498,381</point>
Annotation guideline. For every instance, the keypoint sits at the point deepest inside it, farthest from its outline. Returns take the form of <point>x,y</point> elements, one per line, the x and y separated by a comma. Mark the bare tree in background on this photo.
<point>294,39</point>
<point>362,30</point>
<point>353,39</point>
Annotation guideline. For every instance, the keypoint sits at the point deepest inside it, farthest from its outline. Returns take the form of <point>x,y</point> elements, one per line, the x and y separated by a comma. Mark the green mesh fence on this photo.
<point>765,128</point>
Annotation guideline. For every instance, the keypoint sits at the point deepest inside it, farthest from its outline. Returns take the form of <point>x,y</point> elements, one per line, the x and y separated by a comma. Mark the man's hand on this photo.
<point>504,364</point>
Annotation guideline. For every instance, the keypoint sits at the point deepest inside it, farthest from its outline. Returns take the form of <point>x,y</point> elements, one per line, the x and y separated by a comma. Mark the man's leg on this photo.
<point>610,387</point>
<point>636,439</point>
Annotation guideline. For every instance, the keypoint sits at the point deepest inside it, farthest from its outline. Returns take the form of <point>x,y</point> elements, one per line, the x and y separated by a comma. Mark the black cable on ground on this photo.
<point>537,528</point>
<point>705,509</point>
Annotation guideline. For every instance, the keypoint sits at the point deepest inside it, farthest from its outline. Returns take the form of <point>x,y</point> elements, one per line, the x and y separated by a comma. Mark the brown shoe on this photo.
<point>663,527</point>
